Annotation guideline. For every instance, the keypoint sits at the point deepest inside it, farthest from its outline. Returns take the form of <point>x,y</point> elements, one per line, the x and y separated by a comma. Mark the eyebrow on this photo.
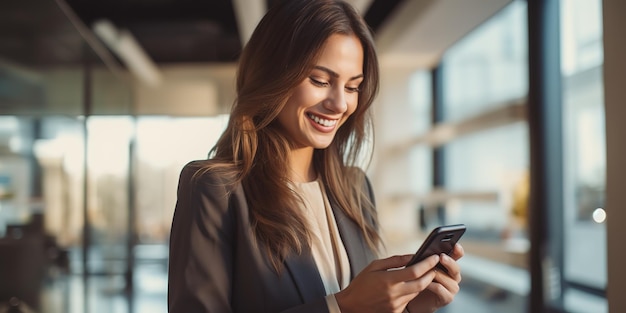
<point>333,73</point>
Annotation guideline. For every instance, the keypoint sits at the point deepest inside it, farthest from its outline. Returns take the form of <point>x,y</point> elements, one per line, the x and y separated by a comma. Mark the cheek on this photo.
<point>352,105</point>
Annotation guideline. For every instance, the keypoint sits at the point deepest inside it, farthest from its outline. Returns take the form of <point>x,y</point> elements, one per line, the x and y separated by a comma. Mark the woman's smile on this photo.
<point>323,124</point>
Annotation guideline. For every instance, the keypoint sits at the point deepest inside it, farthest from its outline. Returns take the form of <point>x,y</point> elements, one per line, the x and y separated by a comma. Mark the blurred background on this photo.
<point>482,104</point>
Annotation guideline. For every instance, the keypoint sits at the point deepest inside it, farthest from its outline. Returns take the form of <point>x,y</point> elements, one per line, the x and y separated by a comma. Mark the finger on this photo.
<point>420,284</point>
<point>452,267</point>
<point>415,271</point>
<point>389,263</point>
<point>405,299</point>
<point>443,295</point>
<point>449,283</point>
<point>458,252</point>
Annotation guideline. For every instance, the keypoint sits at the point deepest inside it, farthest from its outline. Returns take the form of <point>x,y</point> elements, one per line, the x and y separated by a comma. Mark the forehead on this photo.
<point>342,54</point>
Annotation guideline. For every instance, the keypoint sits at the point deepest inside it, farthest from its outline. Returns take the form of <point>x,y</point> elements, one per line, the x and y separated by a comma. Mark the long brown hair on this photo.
<point>280,55</point>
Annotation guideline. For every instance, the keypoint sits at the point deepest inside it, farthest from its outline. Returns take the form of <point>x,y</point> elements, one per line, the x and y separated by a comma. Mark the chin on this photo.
<point>321,142</point>
<point>321,145</point>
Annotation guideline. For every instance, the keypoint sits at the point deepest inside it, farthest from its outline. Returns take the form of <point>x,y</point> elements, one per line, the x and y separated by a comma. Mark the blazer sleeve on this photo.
<point>201,241</point>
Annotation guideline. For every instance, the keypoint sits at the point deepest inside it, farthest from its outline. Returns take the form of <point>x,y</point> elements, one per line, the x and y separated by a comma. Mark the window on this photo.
<point>486,159</point>
<point>584,268</point>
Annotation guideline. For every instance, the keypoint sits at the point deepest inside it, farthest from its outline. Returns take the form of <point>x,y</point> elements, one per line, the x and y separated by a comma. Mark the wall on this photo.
<point>188,90</point>
<point>615,95</point>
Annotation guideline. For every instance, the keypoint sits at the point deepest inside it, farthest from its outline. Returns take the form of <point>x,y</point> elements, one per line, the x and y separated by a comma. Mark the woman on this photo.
<point>279,219</point>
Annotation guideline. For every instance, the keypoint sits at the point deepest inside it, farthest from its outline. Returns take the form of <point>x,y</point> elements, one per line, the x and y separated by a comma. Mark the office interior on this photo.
<point>505,115</point>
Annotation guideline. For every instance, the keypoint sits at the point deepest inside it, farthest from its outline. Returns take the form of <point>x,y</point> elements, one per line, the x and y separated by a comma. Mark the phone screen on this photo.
<point>440,240</point>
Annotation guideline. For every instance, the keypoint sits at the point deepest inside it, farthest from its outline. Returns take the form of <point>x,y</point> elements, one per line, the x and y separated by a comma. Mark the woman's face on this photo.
<point>322,102</point>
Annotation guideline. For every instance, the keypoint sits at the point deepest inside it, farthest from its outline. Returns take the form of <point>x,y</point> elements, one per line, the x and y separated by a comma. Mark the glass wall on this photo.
<point>485,160</point>
<point>80,173</point>
<point>131,163</point>
<point>420,106</point>
<point>488,67</point>
<point>163,146</point>
<point>585,257</point>
<point>484,74</point>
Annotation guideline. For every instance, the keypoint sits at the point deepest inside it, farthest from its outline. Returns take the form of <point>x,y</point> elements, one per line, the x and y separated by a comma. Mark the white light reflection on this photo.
<point>599,215</point>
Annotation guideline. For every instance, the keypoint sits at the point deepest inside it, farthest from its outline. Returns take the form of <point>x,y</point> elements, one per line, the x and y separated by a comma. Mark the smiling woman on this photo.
<point>280,218</point>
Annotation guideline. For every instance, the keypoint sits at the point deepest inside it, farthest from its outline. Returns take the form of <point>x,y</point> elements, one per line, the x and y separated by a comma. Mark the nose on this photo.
<point>336,101</point>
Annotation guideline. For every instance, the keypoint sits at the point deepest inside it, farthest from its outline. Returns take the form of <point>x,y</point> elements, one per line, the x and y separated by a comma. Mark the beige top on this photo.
<point>327,248</point>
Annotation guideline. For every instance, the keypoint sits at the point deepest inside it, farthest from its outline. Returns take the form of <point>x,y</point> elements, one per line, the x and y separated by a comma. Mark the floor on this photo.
<point>105,294</point>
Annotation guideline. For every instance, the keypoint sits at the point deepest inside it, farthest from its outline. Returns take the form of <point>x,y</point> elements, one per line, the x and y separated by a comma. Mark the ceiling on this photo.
<point>45,43</point>
<point>42,32</point>
<point>190,31</point>
<point>36,33</point>
<point>171,31</point>
<point>38,36</point>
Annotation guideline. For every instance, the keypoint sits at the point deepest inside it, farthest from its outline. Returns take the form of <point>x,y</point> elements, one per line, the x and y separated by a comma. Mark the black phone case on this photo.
<point>440,240</point>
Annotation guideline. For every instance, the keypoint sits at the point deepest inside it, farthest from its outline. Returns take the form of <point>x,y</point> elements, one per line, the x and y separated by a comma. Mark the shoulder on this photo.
<point>208,173</point>
<point>208,179</point>
<point>205,191</point>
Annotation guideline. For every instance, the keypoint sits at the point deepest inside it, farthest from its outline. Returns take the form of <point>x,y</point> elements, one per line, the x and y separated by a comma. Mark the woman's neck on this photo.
<point>301,165</point>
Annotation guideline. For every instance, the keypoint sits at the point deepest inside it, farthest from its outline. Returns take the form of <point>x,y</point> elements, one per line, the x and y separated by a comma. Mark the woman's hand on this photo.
<point>443,288</point>
<point>384,286</point>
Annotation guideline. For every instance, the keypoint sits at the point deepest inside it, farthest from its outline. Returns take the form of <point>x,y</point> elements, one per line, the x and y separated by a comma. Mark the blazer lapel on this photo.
<point>304,271</point>
<point>356,247</point>
<point>306,276</point>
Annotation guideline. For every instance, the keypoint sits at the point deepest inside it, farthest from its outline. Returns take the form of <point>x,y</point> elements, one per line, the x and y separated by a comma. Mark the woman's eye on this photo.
<point>318,82</point>
<point>353,89</point>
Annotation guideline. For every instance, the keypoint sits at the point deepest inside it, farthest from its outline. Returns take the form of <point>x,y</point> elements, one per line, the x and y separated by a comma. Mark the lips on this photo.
<point>321,121</point>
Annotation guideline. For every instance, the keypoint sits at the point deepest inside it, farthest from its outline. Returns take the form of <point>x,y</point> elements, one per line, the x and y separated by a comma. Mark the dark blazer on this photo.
<point>216,266</point>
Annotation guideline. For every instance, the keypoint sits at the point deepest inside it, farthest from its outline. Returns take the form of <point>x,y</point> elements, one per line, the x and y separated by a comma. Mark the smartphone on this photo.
<point>440,240</point>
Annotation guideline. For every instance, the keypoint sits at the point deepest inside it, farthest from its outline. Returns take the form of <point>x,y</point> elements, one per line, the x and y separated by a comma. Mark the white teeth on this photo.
<point>321,121</point>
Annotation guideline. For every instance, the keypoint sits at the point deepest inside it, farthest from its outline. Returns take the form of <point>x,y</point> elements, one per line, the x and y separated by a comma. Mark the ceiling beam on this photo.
<point>126,47</point>
<point>248,14</point>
